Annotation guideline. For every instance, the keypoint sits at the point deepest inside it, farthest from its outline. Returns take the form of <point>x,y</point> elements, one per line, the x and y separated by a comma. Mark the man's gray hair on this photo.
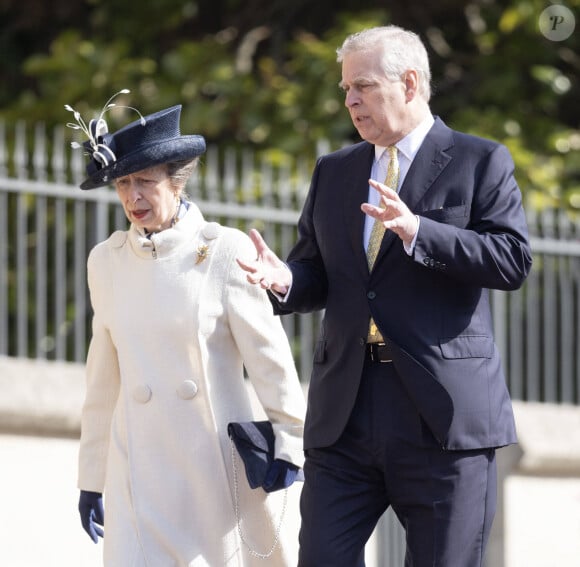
<point>402,50</point>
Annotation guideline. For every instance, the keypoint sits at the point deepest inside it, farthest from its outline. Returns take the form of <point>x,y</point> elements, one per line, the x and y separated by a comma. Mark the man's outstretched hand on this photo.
<point>267,270</point>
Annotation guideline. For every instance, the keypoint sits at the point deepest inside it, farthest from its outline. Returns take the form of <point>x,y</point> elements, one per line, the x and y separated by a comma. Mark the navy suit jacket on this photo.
<point>433,306</point>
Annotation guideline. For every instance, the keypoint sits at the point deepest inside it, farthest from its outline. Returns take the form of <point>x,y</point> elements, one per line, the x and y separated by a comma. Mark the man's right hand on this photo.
<point>92,514</point>
<point>267,270</point>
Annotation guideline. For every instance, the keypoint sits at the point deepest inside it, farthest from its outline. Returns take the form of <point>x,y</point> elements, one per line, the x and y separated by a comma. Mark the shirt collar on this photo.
<point>410,144</point>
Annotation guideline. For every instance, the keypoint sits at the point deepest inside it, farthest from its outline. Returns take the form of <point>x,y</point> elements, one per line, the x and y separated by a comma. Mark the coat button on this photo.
<point>211,230</point>
<point>187,390</point>
<point>142,393</point>
<point>371,294</point>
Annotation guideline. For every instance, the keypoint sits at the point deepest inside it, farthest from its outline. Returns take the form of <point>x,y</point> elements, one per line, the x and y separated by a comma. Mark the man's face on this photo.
<point>377,105</point>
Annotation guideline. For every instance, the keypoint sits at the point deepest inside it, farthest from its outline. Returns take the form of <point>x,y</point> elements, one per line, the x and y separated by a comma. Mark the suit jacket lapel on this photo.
<point>356,190</point>
<point>430,161</point>
<point>428,164</point>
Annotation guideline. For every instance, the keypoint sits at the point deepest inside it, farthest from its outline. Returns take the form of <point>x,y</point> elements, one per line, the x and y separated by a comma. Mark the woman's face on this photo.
<point>149,199</point>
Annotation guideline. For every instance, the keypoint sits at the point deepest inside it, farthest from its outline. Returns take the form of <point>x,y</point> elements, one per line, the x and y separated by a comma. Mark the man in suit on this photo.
<point>407,400</point>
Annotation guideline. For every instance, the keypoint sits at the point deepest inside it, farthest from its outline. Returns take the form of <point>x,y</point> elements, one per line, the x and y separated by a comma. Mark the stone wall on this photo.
<point>40,397</point>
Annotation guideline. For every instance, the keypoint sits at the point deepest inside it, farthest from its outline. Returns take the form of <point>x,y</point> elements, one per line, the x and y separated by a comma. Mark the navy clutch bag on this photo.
<point>254,442</point>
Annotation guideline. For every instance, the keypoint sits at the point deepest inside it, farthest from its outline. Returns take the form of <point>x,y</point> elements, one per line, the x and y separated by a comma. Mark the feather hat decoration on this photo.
<point>150,140</point>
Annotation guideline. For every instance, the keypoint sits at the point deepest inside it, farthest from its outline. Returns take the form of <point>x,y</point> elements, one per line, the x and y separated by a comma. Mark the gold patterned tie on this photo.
<point>378,231</point>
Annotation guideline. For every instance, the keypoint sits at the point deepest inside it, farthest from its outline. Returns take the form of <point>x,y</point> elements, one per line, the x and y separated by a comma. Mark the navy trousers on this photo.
<point>445,500</point>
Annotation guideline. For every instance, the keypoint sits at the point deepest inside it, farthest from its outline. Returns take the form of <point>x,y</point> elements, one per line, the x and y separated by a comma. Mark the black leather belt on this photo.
<point>379,352</point>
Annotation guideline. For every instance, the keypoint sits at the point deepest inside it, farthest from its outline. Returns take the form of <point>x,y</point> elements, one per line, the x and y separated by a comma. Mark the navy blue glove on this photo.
<point>281,474</point>
<point>92,514</point>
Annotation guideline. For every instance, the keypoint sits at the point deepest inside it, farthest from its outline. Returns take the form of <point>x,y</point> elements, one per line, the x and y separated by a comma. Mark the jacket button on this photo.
<point>187,390</point>
<point>142,393</point>
<point>426,260</point>
<point>371,294</point>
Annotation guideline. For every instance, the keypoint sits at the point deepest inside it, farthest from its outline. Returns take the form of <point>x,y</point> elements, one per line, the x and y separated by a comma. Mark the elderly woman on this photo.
<point>175,325</point>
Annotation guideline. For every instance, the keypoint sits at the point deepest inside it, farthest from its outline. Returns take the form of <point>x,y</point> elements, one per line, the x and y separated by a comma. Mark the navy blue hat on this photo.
<point>149,141</point>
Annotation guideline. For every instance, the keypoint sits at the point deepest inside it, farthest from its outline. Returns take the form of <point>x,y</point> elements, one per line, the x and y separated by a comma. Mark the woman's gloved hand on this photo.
<point>281,474</point>
<point>92,514</point>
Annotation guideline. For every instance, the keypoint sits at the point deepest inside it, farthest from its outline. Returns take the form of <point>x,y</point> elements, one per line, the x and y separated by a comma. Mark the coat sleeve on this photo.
<point>492,249</point>
<point>267,357</point>
<point>309,284</point>
<point>102,381</point>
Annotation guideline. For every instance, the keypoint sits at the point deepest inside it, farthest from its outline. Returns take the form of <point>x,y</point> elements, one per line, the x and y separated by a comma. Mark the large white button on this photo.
<point>142,393</point>
<point>187,390</point>
<point>211,230</point>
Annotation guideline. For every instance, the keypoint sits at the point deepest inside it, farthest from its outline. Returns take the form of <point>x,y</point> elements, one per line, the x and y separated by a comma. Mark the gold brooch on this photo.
<point>202,253</point>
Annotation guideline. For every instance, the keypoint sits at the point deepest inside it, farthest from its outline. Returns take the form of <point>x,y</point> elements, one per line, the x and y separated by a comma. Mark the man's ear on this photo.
<point>411,80</point>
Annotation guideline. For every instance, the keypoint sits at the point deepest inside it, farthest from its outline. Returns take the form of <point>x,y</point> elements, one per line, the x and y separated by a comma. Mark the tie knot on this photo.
<point>389,156</point>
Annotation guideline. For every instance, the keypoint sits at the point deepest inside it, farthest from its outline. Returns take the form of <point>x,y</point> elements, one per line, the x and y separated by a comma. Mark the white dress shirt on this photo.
<point>407,150</point>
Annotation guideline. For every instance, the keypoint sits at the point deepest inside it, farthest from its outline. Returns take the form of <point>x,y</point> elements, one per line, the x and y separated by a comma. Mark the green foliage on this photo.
<point>263,73</point>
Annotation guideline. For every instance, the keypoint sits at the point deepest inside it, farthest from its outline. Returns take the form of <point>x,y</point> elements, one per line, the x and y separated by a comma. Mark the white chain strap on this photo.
<point>238,519</point>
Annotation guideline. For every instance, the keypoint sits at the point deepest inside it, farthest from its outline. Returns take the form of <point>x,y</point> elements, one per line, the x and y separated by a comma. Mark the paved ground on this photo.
<point>39,524</point>
<point>543,522</point>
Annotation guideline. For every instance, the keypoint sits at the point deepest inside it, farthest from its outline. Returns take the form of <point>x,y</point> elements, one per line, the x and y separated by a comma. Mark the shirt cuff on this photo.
<point>409,249</point>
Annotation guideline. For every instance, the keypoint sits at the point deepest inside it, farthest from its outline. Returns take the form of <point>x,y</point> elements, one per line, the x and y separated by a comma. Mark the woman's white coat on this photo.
<point>175,324</point>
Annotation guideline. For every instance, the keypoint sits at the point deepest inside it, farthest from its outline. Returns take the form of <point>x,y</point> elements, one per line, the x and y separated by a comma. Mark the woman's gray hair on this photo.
<point>179,172</point>
<point>402,50</point>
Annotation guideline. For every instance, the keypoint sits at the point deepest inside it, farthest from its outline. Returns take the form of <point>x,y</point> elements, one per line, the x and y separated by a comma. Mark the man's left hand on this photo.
<point>394,213</point>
